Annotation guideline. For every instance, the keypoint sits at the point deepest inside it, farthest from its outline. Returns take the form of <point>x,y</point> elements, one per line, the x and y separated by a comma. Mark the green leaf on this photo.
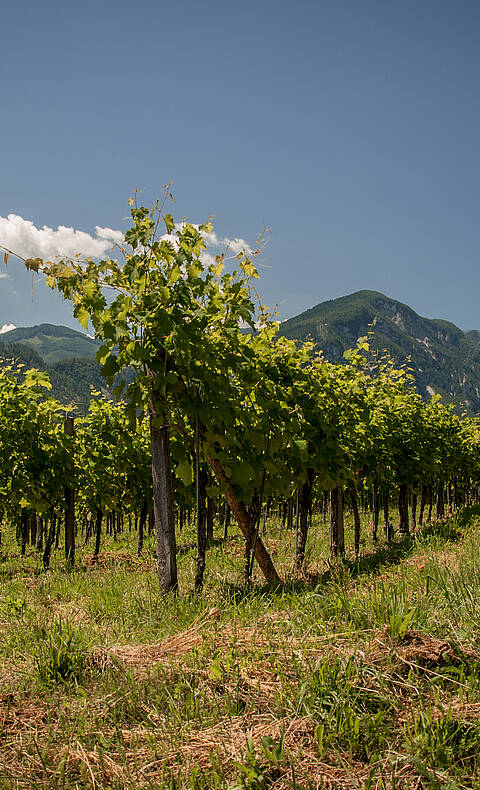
<point>184,472</point>
<point>89,288</point>
<point>169,223</point>
<point>110,366</point>
<point>37,378</point>
<point>102,354</point>
<point>82,316</point>
<point>118,389</point>
<point>174,275</point>
<point>301,444</point>
<point>242,474</point>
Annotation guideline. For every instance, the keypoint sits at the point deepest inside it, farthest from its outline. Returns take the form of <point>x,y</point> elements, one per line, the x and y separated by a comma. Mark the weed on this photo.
<point>334,685</point>
<point>444,741</point>
<point>61,654</point>
<point>14,607</point>
<point>365,736</point>
<point>260,770</point>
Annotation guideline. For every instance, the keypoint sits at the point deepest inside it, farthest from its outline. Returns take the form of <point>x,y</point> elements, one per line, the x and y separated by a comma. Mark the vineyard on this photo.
<point>312,438</point>
<point>308,626</point>
<point>216,418</point>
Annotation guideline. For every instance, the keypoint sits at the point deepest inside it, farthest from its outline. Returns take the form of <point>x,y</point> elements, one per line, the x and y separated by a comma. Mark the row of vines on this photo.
<point>217,418</point>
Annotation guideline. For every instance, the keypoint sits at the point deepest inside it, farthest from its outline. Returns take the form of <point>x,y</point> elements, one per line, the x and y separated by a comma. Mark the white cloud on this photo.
<point>218,245</point>
<point>107,233</point>
<point>7,328</point>
<point>230,245</point>
<point>227,245</point>
<point>206,258</point>
<point>23,238</point>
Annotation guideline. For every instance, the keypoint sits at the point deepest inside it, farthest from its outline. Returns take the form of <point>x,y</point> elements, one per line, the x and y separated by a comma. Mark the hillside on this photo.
<point>444,359</point>
<point>53,343</point>
<point>71,378</point>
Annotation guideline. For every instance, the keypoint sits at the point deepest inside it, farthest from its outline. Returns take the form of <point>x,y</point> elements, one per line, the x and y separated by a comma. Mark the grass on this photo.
<point>361,674</point>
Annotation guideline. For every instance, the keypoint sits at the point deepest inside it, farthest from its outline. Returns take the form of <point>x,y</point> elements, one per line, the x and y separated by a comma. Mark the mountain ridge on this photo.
<point>445,360</point>
<point>71,379</point>
<point>53,342</point>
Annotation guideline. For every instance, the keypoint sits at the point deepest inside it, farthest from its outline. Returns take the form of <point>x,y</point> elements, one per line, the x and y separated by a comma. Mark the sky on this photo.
<point>351,129</point>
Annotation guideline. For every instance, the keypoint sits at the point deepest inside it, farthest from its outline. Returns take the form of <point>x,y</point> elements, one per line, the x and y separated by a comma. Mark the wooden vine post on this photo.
<point>70,500</point>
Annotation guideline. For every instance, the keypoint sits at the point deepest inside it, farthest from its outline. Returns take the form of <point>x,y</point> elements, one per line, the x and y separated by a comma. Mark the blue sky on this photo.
<point>350,128</point>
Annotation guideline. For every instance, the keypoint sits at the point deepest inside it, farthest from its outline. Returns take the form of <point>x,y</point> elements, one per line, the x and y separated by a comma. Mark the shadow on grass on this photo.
<point>385,555</point>
<point>212,543</point>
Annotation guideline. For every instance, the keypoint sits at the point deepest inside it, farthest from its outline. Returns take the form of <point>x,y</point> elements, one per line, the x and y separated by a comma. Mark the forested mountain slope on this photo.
<point>444,359</point>
<point>53,343</point>
<point>71,378</point>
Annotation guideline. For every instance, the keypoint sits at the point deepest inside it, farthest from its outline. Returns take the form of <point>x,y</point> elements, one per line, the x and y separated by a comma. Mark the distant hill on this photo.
<point>444,359</point>
<point>53,343</point>
<point>71,379</point>
<point>474,336</point>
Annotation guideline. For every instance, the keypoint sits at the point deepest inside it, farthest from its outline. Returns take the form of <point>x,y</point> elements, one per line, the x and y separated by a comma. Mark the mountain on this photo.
<point>71,379</point>
<point>444,359</point>
<point>53,343</point>
<point>66,355</point>
<point>474,336</point>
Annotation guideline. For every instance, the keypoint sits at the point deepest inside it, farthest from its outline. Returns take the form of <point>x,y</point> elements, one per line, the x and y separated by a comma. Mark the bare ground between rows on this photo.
<point>26,722</point>
<point>142,759</point>
<point>144,753</point>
